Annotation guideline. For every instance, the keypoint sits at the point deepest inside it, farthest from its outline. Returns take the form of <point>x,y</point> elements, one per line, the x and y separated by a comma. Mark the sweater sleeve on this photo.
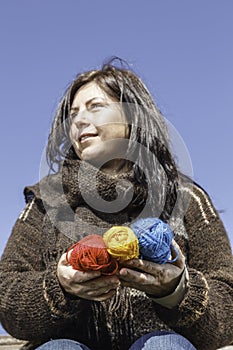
<point>205,315</point>
<point>31,299</point>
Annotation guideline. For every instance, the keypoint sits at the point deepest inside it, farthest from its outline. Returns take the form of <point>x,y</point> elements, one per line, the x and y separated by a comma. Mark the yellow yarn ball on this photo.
<point>121,243</point>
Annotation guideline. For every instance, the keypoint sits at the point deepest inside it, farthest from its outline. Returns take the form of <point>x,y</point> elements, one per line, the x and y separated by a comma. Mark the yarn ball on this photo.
<point>155,240</point>
<point>90,254</point>
<point>121,243</point>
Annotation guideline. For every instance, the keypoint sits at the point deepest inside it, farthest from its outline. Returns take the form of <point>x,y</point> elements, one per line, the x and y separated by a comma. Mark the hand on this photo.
<point>89,285</point>
<point>155,279</point>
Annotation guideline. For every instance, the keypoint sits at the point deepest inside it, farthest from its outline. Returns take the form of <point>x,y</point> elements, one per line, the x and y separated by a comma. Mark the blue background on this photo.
<point>183,51</point>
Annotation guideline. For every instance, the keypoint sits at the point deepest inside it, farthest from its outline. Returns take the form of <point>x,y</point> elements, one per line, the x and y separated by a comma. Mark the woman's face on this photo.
<point>98,123</point>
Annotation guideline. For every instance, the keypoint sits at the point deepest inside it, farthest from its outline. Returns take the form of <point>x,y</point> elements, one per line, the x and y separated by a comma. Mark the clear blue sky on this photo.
<point>183,50</point>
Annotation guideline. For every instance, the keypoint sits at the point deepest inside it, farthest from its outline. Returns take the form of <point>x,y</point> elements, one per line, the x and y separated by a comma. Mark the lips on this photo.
<point>86,136</point>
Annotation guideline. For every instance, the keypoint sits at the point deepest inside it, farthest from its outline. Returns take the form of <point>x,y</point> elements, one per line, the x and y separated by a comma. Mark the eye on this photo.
<point>73,115</point>
<point>96,105</point>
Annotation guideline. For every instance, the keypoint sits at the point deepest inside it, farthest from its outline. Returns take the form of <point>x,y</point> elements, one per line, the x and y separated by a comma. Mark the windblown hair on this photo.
<point>155,166</point>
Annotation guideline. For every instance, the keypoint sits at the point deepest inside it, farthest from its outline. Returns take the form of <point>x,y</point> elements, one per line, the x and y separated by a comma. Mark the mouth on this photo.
<point>86,137</point>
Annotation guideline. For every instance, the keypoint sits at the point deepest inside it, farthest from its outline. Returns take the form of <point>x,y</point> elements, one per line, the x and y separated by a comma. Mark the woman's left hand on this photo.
<point>155,279</point>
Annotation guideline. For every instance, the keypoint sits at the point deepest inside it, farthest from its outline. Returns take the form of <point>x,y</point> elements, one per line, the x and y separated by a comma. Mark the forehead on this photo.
<point>88,92</point>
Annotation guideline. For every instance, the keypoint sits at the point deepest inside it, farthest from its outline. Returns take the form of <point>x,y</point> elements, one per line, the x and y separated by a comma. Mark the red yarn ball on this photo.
<point>90,254</point>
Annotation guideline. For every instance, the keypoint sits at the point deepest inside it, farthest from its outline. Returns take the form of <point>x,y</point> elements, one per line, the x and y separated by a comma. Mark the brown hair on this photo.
<point>147,127</point>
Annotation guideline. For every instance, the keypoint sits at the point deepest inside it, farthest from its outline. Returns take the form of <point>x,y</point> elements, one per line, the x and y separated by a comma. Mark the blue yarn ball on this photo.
<point>155,240</point>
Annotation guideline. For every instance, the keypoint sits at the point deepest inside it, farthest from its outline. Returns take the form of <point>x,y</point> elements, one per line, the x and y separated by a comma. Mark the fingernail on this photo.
<point>124,272</point>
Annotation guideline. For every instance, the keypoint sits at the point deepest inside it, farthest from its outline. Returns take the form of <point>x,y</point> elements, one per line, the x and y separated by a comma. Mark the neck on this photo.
<point>115,167</point>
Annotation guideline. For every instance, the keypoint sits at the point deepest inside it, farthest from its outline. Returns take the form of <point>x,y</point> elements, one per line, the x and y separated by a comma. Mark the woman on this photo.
<point>109,150</point>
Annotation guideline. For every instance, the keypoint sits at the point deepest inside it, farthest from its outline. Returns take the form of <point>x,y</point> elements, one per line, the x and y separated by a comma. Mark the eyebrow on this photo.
<point>88,102</point>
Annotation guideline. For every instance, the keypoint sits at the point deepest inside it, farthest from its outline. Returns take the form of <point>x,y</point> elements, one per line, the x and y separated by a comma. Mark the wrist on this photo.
<point>174,298</point>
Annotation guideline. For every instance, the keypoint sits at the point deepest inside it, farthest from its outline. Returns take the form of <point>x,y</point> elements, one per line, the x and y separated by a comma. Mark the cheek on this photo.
<point>127,131</point>
<point>71,133</point>
<point>113,131</point>
<point>77,150</point>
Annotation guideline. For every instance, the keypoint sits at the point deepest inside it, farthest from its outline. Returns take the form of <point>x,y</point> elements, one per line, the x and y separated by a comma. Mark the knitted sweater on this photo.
<point>34,307</point>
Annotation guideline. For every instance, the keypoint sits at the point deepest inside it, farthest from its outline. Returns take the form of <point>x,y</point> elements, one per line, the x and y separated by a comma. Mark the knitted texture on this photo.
<point>155,240</point>
<point>151,236</point>
<point>91,254</point>
<point>121,242</point>
<point>34,307</point>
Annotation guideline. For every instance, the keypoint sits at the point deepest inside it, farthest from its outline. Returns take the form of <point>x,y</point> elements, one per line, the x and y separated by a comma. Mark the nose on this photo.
<point>82,118</point>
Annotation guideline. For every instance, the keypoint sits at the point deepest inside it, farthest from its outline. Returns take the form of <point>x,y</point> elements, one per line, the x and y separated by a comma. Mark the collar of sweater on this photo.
<point>79,183</point>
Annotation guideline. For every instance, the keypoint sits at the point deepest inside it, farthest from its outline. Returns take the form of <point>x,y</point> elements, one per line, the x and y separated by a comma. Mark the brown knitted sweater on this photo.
<point>34,307</point>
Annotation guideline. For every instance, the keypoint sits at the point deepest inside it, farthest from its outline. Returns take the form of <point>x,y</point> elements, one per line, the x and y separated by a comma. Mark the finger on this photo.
<point>63,260</point>
<point>68,274</point>
<point>101,292</point>
<point>144,265</point>
<point>95,288</point>
<point>102,282</point>
<point>180,262</point>
<point>140,281</point>
<point>136,286</point>
<point>136,277</point>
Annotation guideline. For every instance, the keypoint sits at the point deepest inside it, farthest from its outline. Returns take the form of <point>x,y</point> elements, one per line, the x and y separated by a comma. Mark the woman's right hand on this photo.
<point>89,285</point>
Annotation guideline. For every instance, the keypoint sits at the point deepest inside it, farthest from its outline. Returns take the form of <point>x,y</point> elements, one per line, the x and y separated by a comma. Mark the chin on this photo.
<point>89,158</point>
<point>95,158</point>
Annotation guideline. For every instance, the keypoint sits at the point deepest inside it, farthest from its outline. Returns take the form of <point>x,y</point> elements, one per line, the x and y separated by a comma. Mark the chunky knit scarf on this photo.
<point>98,201</point>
